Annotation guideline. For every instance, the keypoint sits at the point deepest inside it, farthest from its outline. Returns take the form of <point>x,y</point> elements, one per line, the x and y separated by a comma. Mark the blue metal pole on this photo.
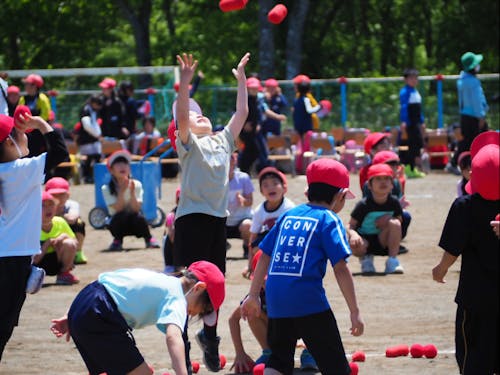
<point>53,104</point>
<point>440,102</point>
<point>151,99</point>
<point>343,102</point>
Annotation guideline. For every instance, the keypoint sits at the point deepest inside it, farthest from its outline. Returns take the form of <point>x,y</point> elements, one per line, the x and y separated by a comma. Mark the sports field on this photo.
<point>397,309</point>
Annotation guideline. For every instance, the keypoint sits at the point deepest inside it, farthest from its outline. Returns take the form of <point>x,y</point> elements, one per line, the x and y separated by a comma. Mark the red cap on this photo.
<point>371,140</point>
<point>385,156</point>
<point>483,139</point>
<point>274,171</point>
<point>253,83</point>
<point>271,82</point>
<point>6,126</point>
<point>485,173</point>
<point>211,275</point>
<point>230,5</point>
<point>12,89</point>
<point>34,79</point>
<point>379,170</point>
<point>107,83</point>
<point>326,104</point>
<point>57,185</point>
<point>301,78</point>
<point>46,196</point>
<point>171,134</point>
<point>118,154</point>
<point>277,14</point>
<point>330,172</point>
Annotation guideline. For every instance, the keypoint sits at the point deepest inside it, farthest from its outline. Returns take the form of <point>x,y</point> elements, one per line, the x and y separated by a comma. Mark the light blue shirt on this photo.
<point>146,297</point>
<point>471,99</point>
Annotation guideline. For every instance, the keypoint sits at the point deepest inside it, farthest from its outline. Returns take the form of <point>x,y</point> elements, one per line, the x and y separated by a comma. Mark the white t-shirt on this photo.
<point>146,297</point>
<point>21,206</point>
<point>110,199</point>
<point>264,220</point>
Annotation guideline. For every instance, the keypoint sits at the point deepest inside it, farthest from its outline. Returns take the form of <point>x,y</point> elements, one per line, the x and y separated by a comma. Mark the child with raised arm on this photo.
<point>295,256</point>
<point>21,180</point>
<point>204,159</point>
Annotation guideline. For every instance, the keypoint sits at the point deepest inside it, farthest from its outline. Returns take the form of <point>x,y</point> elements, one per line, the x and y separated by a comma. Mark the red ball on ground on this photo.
<point>277,14</point>
<point>231,5</point>
<point>397,351</point>
<point>430,351</point>
<point>223,360</point>
<point>417,350</point>
<point>354,368</point>
<point>259,369</point>
<point>196,366</point>
<point>358,356</point>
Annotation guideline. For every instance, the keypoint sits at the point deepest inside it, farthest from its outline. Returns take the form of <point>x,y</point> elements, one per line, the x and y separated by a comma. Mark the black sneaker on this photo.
<point>402,249</point>
<point>210,349</point>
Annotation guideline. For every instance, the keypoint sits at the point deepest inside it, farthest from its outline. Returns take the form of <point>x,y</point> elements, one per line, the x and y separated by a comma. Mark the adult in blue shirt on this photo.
<point>472,106</point>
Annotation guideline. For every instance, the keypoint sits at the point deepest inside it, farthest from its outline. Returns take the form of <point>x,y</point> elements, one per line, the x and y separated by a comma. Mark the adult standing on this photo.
<point>112,112</point>
<point>472,106</point>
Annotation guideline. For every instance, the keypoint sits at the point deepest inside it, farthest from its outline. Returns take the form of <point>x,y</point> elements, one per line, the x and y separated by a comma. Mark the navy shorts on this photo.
<point>50,264</point>
<point>101,334</point>
<point>374,246</point>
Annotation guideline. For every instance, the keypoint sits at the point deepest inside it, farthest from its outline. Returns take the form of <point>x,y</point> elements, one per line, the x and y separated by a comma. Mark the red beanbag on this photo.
<point>417,350</point>
<point>358,356</point>
<point>354,368</point>
<point>231,5</point>
<point>397,351</point>
<point>259,369</point>
<point>430,351</point>
<point>277,14</point>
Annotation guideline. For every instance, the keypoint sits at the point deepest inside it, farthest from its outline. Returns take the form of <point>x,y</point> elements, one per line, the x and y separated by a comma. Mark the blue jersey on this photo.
<point>300,244</point>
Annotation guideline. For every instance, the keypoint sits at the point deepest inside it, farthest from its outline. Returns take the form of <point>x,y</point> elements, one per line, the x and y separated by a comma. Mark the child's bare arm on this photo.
<point>439,272</point>
<point>251,304</point>
<point>346,285</point>
<point>175,345</point>
<point>241,359</point>
<point>238,120</point>
<point>187,68</point>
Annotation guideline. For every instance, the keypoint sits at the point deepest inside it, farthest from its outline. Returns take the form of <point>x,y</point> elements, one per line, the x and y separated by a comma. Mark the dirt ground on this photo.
<point>397,309</point>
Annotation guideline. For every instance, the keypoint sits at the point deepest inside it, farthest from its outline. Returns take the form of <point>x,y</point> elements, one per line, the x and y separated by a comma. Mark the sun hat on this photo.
<point>212,276</point>
<point>470,60</point>
<point>273,171</point>
<point>271,82</point>
<point>385,156</point>
<point>57,185</point>
<point>376,170</point>
<point>34,79</point>
<point>6,126</point>
<point>485,173</point>
<point>107,83</point>
<point>483,139</point>
<point>13,89</point>
<point>120,154</point>
<point>372,140</point>
<point>193,106</point>
<point>330,172</point>
<point>253,83</point>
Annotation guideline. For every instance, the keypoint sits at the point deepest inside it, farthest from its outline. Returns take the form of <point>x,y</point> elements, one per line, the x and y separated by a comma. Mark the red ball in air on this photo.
<point>232,5</point>
<point>277,14</point>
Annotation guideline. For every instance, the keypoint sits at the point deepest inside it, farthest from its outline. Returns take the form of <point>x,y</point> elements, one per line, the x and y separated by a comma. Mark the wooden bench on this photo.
<point>280,149</point>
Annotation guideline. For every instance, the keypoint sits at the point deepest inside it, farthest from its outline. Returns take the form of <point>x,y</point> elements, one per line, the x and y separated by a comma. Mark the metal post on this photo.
<point>439,87</point>
<point>343,100</point>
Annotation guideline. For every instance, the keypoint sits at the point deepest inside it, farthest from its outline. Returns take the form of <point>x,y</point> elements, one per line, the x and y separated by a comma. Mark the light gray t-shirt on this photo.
<point>205,174</point>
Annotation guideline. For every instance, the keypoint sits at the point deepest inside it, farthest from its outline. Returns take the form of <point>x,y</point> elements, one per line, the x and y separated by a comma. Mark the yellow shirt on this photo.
<point>59,226</point>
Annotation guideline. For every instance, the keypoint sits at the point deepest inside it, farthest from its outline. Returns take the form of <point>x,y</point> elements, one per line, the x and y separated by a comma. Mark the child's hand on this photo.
<point>357,324</point>
<point>131,186</point>
<point>438,273</point>
<point>250,307</point>
<point>241,199</point>
<point>404,203</point>
<point>239,72</point>
<point>495,224</point>
<point>60,327</point>
<point>187,67</point>
<point>242,363</point>
<point>25,121</point>
<point>382,221</point>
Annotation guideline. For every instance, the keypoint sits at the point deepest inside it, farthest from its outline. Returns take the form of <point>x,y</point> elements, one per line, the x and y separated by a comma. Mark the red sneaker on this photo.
<point>66,278</point>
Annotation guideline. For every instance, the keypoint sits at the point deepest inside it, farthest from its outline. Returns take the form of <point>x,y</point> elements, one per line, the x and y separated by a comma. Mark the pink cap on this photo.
<point>107,83</point>
<point>46,196</point>
<point>34,79</point>
<point>385,156</point>
<point>253,83</point>
<point>271,82</point>
<point>6,126</point>
<point>57,185</point>
<point>485,173</point>
<point>376,170</point>
<point>212,276</point>
<point>274,171</point>
<point>301,78</point>
<point>330,172</point>
<point>118,154</point>
<point>371,140</point>
<point>12,89</point>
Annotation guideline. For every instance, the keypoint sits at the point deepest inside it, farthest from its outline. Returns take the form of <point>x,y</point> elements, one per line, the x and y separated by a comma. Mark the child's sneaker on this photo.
<point>264,357</point>
<point>392,266</point>
<point>307,361</point>
<point>80,257</point>
<point>367,266</point>
<point>210,348</point>
<point>152,243</point>
<point>115,245</point>
<point>35,280</point>
<point>66,278</point>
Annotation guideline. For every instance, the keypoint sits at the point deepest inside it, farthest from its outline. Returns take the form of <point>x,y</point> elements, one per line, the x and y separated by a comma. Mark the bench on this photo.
<point>280,149</point>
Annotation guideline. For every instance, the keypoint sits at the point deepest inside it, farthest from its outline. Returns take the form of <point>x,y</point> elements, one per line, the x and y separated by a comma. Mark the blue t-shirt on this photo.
<point>146,297</point>
<point>300,244</point>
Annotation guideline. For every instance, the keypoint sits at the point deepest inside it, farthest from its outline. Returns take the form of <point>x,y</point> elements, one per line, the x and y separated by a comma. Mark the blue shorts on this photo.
<point>101,334</point>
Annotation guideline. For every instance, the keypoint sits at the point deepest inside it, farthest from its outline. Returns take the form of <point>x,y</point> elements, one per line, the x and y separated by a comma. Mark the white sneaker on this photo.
<point>392,266</point>
<point>367,266</point>
<point>35,280</point>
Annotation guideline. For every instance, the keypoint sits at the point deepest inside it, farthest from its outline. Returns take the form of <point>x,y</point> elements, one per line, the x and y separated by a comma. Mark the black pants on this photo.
<point>87,166</point>
<point>14,273</point>
<point>469,126</point>
<point>476,341</point>
<point>128,223</point>
<point>321,336</point>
